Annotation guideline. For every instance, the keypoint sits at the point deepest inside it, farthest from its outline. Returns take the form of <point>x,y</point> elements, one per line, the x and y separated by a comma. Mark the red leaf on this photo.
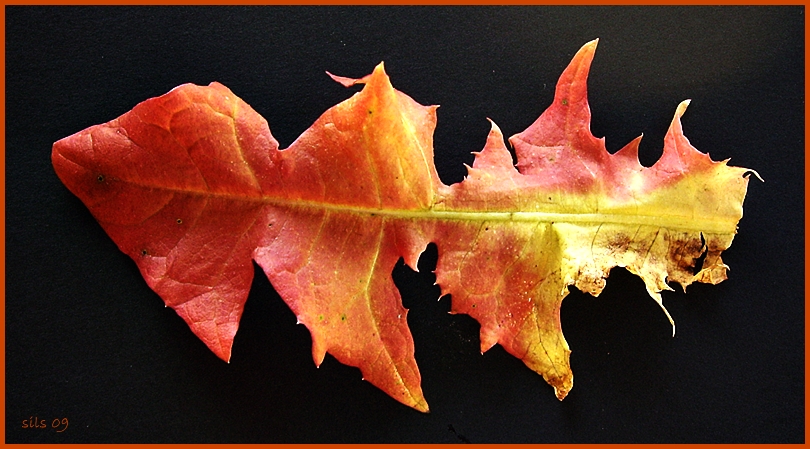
<point>193,187</point>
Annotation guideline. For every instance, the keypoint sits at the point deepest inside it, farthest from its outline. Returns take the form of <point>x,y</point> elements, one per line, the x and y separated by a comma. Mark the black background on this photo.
<point>87,340</point>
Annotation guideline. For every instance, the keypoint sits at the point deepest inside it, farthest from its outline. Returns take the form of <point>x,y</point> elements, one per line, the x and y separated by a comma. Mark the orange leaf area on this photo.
<point>193,187</point>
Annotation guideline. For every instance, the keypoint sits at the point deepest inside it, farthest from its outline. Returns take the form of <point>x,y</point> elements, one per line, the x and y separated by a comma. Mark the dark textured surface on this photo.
<point>87,340</point>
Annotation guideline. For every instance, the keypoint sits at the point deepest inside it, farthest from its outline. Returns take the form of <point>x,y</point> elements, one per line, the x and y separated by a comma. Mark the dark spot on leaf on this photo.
<point>682,252</point>
<point>699,261</point>
<point>618,243</point>
<point>343,317</point>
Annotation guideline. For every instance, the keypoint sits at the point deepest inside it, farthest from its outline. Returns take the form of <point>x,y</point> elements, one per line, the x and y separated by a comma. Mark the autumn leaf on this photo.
<point>193,187</point>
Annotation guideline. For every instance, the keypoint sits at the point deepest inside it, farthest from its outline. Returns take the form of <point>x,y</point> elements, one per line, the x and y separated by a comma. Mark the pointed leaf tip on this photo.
<point>586,52</point>
<point>348,82</point>
<point>682,108</point>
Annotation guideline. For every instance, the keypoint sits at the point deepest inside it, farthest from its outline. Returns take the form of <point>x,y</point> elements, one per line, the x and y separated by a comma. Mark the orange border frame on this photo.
<point>356,2</point>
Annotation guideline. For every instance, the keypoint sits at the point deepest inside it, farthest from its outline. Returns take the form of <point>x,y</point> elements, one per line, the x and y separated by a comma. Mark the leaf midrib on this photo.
<point>674,222</point>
